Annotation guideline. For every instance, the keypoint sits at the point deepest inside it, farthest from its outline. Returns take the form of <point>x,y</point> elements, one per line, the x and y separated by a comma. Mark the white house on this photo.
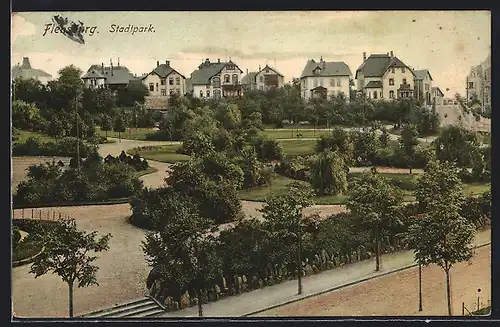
<point>113,77</point>
<point>323,79</point>
<point>437,96</point>
<point>94,78</point>
<point>268,78</point>
<point>25,71</point>
<point>384,76</point>
<point>164,81</point>
<point>216,80</point>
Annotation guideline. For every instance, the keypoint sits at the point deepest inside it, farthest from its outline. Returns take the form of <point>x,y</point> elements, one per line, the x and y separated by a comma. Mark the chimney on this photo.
<point>167,63</point>
<point>118,61</point>
<point>247,71</point>
<point>102,67</point>
<point>26,63</point>
<point>364,56</point>
<point>157,63</point>
<point>111,64</point>
<point>259,68</point>
<point>207,61</point>
<point>218,60</point>
<point>392,54</point>
<point>321,59</point>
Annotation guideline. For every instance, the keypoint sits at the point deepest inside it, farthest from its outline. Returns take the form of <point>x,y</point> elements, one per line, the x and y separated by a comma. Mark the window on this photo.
<point>321,82</point>
<point>171,81</point>
<point>403,70</point>
<point>374,94</point>
<point>391,81</point>
<point>93,81</point>
<point>304,83</point>
<point>178,91</point>
<point>338,82</point>
<point>261,79</point>
<point>177,81</point>
<point>393,70</point>
<point>391,94</point>
<point>216,81</point>
<point>208,94</point>
<point>381,95</point>
<point>151,87</point>
<point>471,85</point>
<point>163,92</point>
<point>201,94</point>
<point>163,81</point>
<point>235,79</point>
<point>315,82</point>
<point>332,82</point>
<point>427,87</point>
<point>156,87</point>
<point>217,94</point>
<point>404,80</point>
<point>226,78</point>
<point>261,87</point>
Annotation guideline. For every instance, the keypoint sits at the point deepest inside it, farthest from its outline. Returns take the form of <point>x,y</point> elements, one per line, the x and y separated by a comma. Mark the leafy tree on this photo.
<point>339,141</point>
<point>456,144</point>
<point>119,125</point>
<point>441,236</point>
<point>328,173</point>
<point>30,90</point>
<point>374,203</point>
<point>135,91</point>
<point>106,124</point>
<point>407,142</point>
<point>284,225</point>
<point>384,137</point>
<point>229,116</point>
<point>66,253</point>
<point>25,115</point>
<point>66,92</point>
<point>197,144</point>
<point>365,145</point>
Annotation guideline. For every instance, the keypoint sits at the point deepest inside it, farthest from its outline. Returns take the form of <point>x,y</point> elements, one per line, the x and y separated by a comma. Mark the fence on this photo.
<point>39,214</point>
<point>476,309</point>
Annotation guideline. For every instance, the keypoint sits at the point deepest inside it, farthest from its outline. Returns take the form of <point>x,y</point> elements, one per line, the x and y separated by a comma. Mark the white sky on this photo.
<point>448,43</point>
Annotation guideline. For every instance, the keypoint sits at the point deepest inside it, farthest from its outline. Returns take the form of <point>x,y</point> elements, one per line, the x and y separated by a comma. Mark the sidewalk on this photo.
<point>270,296</point>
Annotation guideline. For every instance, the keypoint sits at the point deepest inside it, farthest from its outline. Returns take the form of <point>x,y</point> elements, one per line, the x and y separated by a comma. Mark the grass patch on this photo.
<point>129,134</point>
<point>22,136</point>
<point>26,248</point>
<point>292,133</point>
<point>298,147</point>
<point>147,171</point>
<point>281,183</point>
<point>163,153</point>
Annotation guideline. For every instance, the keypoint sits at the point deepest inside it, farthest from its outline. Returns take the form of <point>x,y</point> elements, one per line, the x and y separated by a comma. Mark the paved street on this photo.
<point>251,302</point>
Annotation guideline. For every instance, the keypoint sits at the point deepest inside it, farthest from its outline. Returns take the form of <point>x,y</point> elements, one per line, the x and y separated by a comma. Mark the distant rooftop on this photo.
<point>25,71</point>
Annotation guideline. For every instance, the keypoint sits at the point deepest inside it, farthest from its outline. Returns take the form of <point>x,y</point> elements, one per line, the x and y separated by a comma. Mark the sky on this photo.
<point>447,43</point>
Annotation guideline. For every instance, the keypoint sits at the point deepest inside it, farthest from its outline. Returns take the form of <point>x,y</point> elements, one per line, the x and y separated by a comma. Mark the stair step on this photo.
<point>119,308</point>
<point>133,311</point>
<point>148,314</point>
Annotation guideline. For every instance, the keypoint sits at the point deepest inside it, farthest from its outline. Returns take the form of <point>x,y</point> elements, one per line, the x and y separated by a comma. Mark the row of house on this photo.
<point>380,76</point>
<point>478,82</point>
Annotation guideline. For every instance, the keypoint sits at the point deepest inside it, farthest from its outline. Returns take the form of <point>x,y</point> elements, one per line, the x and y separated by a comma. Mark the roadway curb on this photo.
<point>342,286</point>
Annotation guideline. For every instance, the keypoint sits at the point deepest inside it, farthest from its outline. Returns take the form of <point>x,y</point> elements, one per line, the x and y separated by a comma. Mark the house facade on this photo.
<point>384,76</point>
<point>324,79</point>
<point>479,82</point>
<point>423,86</point>
<point>25,71</point>
<point>437,96</point>
<point>163,81</point>
<point>216,80</point>
<point>111,77</point>
<point>268,78</point>
<point>248,81</point>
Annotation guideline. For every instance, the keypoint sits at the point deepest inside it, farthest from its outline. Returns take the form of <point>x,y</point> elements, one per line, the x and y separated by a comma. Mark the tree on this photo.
<point>284,224</point>
<point>30,90</point>
<point>456,144</point>
<point>407,142</point>
<point>365,144</point>
<point>328,173</point>
<point>374,202</point>
<point>135,91</point>
<point>66,254</point>
<point>66,92</point>
<point>106,124</point>
<point>384,137</point>
<point>441,236</point>
<point>25,115</point>
<point>119,125</point>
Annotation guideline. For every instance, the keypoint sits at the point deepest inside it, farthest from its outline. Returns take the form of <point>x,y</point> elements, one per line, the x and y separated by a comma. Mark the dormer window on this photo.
<point>316,71</point>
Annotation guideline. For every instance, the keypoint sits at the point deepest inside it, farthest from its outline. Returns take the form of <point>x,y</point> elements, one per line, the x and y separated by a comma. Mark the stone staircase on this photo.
<point>141,308</point>
<point>450,116</point>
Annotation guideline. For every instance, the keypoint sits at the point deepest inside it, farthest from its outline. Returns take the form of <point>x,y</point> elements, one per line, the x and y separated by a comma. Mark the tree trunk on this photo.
<point>448,291</point>
<point>106,134</point>
<point>120,137</point>
<point>377,251</point>
<point>70,285</point>
<point>200,303</point>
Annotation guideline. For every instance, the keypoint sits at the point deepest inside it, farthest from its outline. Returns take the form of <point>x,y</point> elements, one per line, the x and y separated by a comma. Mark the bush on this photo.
<point>64,147</point>
<point>267,149</point>
<point>295,167</point>
<point>16,236</point>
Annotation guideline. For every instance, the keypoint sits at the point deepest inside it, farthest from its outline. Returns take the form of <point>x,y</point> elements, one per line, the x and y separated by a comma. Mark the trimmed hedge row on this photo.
<point>64,147</point>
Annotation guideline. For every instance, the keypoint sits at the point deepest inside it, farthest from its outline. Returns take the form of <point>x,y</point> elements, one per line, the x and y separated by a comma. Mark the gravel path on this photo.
<point>397,294</point>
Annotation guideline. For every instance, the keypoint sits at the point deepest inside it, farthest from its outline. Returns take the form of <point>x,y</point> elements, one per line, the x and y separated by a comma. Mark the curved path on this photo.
<point>123,269</point>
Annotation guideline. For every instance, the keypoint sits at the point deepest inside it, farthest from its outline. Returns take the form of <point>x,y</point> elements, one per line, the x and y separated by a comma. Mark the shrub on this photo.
<point>16,236</point>
<point>295,167</point>
<point>267,149</point>
<point>64,147</point>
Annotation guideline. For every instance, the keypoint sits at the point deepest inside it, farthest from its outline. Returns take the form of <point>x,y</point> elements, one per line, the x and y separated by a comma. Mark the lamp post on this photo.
<point>420,287</point>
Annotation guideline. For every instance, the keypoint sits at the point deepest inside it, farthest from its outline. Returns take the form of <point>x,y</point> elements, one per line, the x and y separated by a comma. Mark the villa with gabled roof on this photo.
<point>384,76</point>
<point>324,79</point>
<point>25,71</point>
<point>216,80</point>
<point>112,77</point>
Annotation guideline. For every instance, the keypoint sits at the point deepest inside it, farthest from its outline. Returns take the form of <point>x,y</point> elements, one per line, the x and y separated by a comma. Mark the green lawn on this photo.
<point>149,170</point>
<point>162,153</point>
<point>280,184</point>
<point>298,147</point>
<point>131,133</point>
<point>24,135</point>
<point>292,133</point>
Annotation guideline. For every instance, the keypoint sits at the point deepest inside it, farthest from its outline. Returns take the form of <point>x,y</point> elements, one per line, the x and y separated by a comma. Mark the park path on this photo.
<point>251,303</point>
